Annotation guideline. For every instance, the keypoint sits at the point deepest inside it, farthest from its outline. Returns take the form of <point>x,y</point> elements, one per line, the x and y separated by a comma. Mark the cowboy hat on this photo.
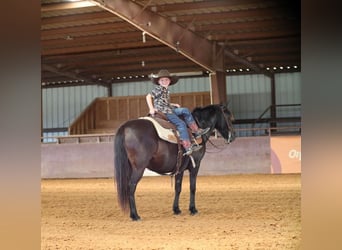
<point>164,73</point>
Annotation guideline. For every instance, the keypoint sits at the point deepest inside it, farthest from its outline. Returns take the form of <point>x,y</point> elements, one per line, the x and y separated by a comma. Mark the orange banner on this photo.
<point>286,154</point>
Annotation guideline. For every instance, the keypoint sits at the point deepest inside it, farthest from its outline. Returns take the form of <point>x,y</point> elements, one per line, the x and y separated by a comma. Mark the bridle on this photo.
<point>229,125</point>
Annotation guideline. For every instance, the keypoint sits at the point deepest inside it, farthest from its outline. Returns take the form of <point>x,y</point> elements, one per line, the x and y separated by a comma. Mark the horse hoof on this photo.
<point>177,212</point>
<point>135,218</point>
<point>193,211</point>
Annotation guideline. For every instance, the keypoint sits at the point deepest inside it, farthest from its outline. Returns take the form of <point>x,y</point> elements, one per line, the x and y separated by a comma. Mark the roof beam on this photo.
<point>96,47</point>
<point>196,48</point>
<point>236,15</point>
<point>90,56</point>
<point>114,61</point>
<point>68,74</point>
<point>243,61</point>
<point>204,5</point>
<point>66,6</point>
<point>47,34</point>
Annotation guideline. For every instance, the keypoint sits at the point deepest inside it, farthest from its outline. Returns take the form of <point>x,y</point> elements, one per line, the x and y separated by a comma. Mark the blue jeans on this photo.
<point>179,123</point>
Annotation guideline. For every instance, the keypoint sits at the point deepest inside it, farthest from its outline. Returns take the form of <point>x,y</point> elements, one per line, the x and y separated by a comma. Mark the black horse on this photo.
<point>137,146</point>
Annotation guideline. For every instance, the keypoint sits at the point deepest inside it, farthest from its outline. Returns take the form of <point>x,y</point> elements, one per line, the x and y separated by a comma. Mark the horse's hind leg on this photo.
<point>135,177</point>
<point>178,189</point>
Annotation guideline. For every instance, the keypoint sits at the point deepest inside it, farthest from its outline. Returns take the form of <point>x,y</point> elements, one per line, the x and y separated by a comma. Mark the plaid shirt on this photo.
<point>161,99</point>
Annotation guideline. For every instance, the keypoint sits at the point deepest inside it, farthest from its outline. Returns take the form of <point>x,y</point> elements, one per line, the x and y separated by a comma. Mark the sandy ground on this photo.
<point>235,212</point>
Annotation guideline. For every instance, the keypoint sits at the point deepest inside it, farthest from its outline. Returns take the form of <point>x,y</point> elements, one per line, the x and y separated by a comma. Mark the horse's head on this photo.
<point>217,117</point>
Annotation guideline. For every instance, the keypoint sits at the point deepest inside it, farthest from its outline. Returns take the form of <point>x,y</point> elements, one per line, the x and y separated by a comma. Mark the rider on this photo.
<point>159,100</point>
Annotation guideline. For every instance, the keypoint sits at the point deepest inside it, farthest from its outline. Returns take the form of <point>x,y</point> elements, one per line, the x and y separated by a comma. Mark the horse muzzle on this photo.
<point>231,137</point>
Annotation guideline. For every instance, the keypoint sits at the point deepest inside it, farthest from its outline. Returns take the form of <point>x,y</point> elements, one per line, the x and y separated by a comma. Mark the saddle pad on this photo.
<point>163,133</point>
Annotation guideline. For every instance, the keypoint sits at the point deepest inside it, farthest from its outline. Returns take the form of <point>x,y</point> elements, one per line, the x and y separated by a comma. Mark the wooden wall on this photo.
<point>105,114</point>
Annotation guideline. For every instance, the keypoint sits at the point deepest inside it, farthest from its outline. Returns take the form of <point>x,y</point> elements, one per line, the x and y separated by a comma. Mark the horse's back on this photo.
<point>139,139</point>
<point>138,127</point>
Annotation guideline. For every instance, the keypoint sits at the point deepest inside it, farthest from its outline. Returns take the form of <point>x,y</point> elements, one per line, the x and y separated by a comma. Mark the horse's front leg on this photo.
<point>178,189</point>
<point>193,178</point>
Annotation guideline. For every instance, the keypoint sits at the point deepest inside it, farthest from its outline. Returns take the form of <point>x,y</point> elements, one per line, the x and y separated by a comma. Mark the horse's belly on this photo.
<point>164,160</point>
<point>162,166</point>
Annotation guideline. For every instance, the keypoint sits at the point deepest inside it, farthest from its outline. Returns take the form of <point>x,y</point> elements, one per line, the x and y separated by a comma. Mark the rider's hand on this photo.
<point>152,112</point>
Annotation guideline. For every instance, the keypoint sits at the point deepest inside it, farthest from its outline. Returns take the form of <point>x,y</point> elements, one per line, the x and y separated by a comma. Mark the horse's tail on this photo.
<point>122,169</point>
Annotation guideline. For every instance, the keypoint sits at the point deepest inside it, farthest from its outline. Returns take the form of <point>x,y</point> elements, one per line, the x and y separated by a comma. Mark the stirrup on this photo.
<point>201,132</point>
<point>195,147</point>
<point>188,152</point>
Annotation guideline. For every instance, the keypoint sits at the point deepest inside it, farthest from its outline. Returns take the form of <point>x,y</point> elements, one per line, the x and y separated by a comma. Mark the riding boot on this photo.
<point>189,148</point>
<point>198,132</point>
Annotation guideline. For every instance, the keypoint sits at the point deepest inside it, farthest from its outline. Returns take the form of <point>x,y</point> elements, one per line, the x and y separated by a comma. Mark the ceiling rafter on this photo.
<point>264,13</point>
<point>171,63</point>
<point>164,31</point>
<point>71,19</point>
<point>245,25</point>
<point>206,5</point>
<point>69,75</point>
<point>66,6</point>
<point>94,39</point>
<point>155,50</point>
<point>92,48</point>
<point>83,30</point>
<point>267,42</point>
<point>175,36</point>
<point>240,36</point>
<point>134,59</point>
<point>91,41</point>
